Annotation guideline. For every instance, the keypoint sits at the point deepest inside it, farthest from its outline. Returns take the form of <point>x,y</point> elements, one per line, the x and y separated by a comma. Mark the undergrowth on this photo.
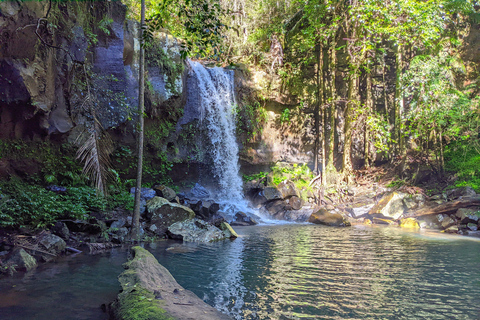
<point>464,161</point>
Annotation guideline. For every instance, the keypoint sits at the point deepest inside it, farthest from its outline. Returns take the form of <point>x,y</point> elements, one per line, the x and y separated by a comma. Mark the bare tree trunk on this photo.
<point>135,232</point>
<point>399,102</point>
<point>318,107</point>
<point>333,105</point>
<point>369,108</point>
<point>348,129</point>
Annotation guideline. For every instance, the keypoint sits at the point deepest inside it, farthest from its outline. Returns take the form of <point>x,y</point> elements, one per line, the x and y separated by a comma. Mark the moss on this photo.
<point>136,302</point>
<point>139,304</point>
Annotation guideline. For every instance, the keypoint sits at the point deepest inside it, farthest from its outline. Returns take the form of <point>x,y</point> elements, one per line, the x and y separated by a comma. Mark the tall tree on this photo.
<point>135,231</point>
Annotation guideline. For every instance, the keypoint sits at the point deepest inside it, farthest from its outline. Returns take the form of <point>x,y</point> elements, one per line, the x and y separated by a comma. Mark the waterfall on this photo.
<point>217,101</point>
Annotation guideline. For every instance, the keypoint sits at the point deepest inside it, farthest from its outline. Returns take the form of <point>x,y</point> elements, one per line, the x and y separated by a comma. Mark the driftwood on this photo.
<point>447,208</point>
<point>73,250</point>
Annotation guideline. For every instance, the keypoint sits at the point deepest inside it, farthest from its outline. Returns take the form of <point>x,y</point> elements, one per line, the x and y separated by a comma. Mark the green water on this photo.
<point>279,272</point>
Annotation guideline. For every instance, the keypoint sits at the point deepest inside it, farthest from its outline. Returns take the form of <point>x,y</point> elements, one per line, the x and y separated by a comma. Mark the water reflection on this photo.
<point>277,272</point>
<point>314,272</point>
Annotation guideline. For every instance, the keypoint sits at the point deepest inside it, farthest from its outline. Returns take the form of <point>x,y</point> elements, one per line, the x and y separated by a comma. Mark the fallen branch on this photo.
<point>35,249</point>
<point>447,208</point>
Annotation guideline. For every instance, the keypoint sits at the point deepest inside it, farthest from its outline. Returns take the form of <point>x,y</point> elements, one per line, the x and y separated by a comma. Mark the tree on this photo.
<point>198,23</point>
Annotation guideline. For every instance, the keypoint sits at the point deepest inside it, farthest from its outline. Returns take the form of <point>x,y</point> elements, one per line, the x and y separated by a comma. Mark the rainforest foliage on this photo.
<point>387,76</point>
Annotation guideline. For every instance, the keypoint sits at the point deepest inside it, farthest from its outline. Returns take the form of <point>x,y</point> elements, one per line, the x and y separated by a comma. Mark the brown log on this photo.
<point>448,207</point>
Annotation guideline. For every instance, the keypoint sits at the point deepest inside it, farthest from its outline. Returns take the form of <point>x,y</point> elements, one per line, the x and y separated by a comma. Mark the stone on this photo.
<point>460,193</point>
<point>117,224</point>
<point>21,260</point>
<point>163,213</point>
<point>323,216</point>
<point>156,295</point>
<point>82,226</point>
<point>52,243</point>
<point>145,193</point>
<point>271,193</point>
<point>411,223</point>
<point>277,208</point>
<point>198,192</point>
<point>195,230</point>
<point>228,231</point>
<point>295,202</point>
<point>390,205</point>
<point>60,229</point>
<point>165,192</point>
<point>452,229</point>
<point>472,226</point>
<point>287,189</point>
<point>414,201</point>
<point>242,219</point>
<point>120,235</point>
<point>447,222</point>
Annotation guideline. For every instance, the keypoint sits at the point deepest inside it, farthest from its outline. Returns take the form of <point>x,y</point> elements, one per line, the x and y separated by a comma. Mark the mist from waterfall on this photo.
<point>217,100</point>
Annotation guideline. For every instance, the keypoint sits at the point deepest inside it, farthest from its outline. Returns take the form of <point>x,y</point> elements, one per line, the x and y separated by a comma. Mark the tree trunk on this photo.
<point>348,129</point>
<point>135,231</point>
<point>369,108</point>
<point>333,106</point>
<point>319,105</point>
<point>399,102</point>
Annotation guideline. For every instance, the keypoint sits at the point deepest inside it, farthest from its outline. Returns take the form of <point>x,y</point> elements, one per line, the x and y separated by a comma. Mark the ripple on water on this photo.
<point>315,272</point>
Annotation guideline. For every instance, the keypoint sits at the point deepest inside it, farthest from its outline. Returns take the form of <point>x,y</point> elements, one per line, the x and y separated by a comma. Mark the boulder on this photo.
<point>390,205</point>
<point>120,223</point>
<point>119,235</point>
<point>195,230</point>
<point>414,201</point>
<point>460,193</point>
<point>472,226</point>
<point>287,189</point>
<point>150,292</point>
<point>277,208</point>
<point>295,202</point>
<point>82,226</point>
<point>21,260</point>
<point>198,192</point>
<point>163,213</point>
<point>165,192</point>
<point>145,193</point>
<point>271,193</point>
<point>242,219</point>
<point>410,223</point>
<point>52,243</point>
<point>60,229</point>
<point>323,216</point>
<point>228,230</point>
<point>447,222</point>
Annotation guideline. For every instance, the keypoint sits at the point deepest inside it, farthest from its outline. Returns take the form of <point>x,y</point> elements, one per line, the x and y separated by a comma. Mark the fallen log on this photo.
<point>447,208</point>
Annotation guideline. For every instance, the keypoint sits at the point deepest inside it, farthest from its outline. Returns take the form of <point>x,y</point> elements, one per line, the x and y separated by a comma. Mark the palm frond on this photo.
<point>95,147</point>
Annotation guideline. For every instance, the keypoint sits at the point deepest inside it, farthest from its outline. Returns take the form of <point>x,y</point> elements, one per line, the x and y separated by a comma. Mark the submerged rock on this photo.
<point>409,223</point>
<point>196,230</point>
<point>241,219</point>
<point>150,292</point>
<point>323,216</point>
<point>21,260</point>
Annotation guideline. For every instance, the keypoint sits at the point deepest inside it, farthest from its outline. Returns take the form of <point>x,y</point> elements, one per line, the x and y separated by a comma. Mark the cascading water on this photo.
<point>216,94</point>
<point>217,100</point>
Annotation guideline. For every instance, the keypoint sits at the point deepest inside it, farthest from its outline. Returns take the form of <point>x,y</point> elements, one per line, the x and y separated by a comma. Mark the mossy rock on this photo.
<point>149,292</point>
<point>410,223</point>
